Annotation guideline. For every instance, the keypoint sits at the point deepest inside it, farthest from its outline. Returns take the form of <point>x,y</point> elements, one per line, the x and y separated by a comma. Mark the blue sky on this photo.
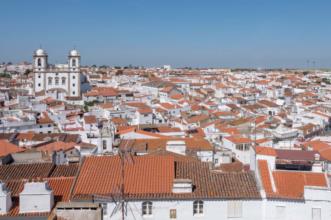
<point>197,33</point>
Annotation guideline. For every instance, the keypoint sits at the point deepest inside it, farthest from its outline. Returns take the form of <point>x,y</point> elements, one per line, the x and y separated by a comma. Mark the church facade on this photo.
<point>60,81</point>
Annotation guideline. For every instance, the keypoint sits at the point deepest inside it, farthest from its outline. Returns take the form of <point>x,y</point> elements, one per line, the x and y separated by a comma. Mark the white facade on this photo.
<point>241,150</point>
<point>212,209</point>
<point>60,81</point>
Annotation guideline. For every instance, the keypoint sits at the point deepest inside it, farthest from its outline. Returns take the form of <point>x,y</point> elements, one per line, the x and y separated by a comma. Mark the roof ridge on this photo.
<point>76,178</point>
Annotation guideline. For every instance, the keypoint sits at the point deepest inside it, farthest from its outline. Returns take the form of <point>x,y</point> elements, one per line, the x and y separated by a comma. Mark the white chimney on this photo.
<point>5,199</point>
<point>178,147</point>
<point>182,186</point>
<point>36,197</point>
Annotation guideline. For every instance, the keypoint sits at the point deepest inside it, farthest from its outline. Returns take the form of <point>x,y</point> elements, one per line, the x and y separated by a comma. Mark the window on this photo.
<point>198,207</point>
<point>57,80</point>
<point>73,84</point>
<point>73,77</point>
<point>173,213</point>
<point>50,80</point>
<point>63,80</point>
<point>38,84</point>
<point>234,209</point>
<point>240,147</point>
<point>280,212</point>
<point>316,214</point>
<point>147,208</point>
<point>104,208</point>
<point>39,62</point>
<point>39,76</point>
<point>74,62</point>
<point>104,144</point>
<point>73,92</point>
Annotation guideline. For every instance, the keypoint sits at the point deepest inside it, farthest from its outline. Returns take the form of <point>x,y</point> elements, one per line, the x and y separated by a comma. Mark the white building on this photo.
<point>58,82</point>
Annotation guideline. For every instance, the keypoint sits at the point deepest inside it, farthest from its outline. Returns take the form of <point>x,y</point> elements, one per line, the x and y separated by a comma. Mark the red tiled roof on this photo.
<point>152,177</point>
<point>57,146</point>
<point>144,175</point>
<point>269,151</point>
<point>145,110</point>
<point>238,140</point>
<point>8,148</point>
<point>288,184</point>
<point>265,176</point>
<point>102,91</point>
<point>90,119</point>
<point>66,170</point>
<point>45,119</point>
<point>291,184</point>
<point>25,171</point>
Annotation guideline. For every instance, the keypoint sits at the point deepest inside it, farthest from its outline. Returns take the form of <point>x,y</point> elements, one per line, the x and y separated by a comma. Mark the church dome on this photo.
<point>74,53</point>
<point>40,52</point>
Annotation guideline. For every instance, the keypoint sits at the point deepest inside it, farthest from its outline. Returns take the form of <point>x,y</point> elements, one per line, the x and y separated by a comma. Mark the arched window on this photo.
<point>57,80</point>
<point>147,208</point>
<point>50,80</point>
<point>73,62</point>
<point>198,207</point>
<point>63,80</point>
<point>38,62</point>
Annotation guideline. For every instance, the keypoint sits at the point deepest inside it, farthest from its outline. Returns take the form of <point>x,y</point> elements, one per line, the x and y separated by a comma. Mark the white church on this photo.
<point>61,81</point>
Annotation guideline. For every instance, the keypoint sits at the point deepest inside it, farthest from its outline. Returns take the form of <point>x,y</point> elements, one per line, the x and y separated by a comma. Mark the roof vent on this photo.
<point>5,199</point>
<point>36,197</point>
<point>182,186</point>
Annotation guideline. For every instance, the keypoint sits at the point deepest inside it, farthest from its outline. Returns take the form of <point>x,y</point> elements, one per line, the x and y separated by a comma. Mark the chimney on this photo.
<point>182,186</point>
<point>5,199</point>
<point>178,147</point>
<point>36,197</point>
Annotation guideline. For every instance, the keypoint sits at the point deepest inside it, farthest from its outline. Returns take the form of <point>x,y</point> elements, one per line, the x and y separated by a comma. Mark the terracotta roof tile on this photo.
<point>8,148</point>
<point>153,176</point>
<point>90,119</point>
<point>269,151</point>
<point>147,174</point>
<point>25,171</point>
<point>288,184</point>
<point>57,146</point>
<point>66,170</point>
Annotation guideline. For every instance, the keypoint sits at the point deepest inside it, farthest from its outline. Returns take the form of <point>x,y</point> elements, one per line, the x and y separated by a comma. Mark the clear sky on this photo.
<point>197,33</point>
